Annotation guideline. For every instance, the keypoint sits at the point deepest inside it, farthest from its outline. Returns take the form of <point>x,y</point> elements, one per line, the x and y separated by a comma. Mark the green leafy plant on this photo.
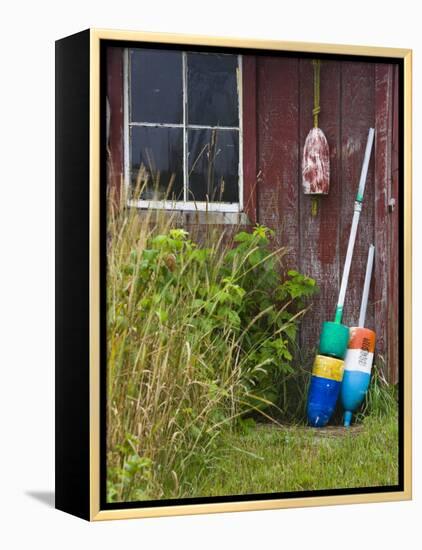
<point>200,332</point>
<point>381,397</point>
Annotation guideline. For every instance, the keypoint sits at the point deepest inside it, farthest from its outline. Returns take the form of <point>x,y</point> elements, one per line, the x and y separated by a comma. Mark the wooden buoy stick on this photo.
<point>366,286</point>
<point>355,222</point>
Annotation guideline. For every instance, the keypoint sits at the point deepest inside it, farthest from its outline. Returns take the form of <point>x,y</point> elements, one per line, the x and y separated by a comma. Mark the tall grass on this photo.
<point>381,399</point>
<point>193,341</point>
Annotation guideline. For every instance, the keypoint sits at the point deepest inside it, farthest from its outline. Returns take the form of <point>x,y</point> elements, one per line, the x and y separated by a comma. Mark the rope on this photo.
<point>317,109</point>
<point>314,205</point>
<point>315,112</point>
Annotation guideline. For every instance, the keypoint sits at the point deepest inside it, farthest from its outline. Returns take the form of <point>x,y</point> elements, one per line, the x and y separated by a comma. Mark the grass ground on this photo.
<point>270,459</point>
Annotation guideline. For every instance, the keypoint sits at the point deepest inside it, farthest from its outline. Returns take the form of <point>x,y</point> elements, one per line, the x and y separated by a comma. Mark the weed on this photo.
<point>199,332</point>
<point>381,397</point>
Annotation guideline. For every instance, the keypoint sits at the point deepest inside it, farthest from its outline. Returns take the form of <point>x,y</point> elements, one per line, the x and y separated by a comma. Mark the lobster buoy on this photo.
<point>327,374</point>
<point>316,164</point>
<point>357,370</point>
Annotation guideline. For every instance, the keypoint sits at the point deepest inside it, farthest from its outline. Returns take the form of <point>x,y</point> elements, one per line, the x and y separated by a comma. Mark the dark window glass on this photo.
<point>157,159</point>
<point>212,90</point>
<point>213,165</point>
<point>156,86</point>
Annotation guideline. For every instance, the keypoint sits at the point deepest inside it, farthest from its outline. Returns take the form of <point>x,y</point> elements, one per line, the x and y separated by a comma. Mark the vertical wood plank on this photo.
<point>393,295</point>
<point>319,234</point>
<point>115,165</point>
<point>278,150</point>
<point>249,137</point>
<point>383,105</point>
<point>357,116</point>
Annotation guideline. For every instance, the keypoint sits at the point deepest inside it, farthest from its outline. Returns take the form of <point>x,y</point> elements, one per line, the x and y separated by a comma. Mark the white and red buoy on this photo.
<point>316,164</point>
<point>359,355</point>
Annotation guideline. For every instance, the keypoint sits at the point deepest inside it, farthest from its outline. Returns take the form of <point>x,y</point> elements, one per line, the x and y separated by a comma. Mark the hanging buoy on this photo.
<point>334,338</point>
<point>359,355</point>
<point>316,153</point>
<point>316,164</point>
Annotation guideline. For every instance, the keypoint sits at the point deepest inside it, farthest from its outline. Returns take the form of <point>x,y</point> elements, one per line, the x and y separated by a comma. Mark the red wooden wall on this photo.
<point>277,115</point>
<point>115,107</point>
<point>354,96</point>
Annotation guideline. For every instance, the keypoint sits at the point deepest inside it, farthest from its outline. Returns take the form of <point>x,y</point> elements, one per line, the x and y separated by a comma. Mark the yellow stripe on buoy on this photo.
<point>328,367</point>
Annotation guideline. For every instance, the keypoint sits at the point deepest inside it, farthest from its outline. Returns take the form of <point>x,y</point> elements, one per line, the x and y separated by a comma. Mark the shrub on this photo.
<point>198,335</point>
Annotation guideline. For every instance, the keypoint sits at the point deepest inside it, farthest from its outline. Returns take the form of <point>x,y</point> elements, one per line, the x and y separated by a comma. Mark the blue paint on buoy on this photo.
<point>347,418</point>
<point>353,390</point>
<point>322,399</point>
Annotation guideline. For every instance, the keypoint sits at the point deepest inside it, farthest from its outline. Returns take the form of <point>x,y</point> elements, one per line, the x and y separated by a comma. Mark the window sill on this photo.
<point>188,206</point>
<point>196,217</point>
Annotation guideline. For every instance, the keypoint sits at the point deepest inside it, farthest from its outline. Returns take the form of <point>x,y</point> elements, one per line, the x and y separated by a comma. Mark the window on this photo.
<point>183,129</point>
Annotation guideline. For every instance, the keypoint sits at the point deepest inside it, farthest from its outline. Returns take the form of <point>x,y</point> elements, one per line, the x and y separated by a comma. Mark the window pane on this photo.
<point>157,159</point>
<point>213,165</point>
<point>212,89</point>
<point>156,86</point>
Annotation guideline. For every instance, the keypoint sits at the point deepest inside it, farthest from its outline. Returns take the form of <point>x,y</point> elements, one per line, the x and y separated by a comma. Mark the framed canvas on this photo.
<point>233,274</point>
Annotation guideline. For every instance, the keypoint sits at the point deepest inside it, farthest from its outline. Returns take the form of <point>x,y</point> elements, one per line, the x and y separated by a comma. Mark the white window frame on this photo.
<point>182,204</point>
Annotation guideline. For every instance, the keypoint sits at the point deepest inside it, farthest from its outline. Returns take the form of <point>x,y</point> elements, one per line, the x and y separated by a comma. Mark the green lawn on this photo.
<point>272,459</point>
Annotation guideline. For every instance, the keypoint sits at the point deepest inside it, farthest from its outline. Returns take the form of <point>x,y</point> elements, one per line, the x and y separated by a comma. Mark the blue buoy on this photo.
<point>354,387</point>
<point>324,390</point>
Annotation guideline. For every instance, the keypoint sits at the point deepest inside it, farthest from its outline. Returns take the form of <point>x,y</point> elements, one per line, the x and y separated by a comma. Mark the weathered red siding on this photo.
<point>250,183</point>
<point>115,111</point>
<point>393,282</point>
<point>277,115</point>
<point>354,96</point>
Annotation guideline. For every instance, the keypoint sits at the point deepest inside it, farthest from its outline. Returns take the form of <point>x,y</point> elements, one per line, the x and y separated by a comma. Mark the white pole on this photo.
<point>355,222</point>
<point>348,262</point>
<point>366,286</point>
